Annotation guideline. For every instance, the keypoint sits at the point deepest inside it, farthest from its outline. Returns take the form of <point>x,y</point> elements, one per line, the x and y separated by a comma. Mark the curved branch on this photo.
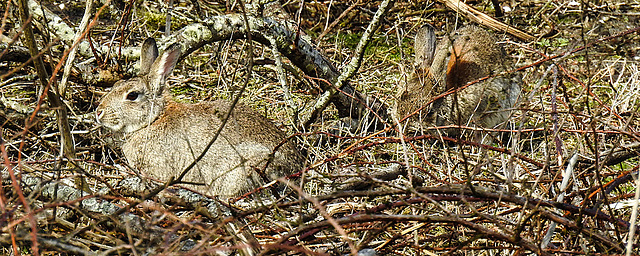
<point>299,50</point>
<point>267,30</point>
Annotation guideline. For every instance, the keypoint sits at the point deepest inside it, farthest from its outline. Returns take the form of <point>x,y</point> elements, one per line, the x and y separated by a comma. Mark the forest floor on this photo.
<point>577,111</point>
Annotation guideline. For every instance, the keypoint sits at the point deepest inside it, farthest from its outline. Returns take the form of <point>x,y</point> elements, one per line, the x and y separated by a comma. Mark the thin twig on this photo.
<point>354,63</point>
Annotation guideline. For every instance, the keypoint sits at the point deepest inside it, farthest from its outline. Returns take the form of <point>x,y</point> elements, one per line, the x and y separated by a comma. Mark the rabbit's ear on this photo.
<point>148,55</point>
<point>162,68</point>
<point>424,47</point>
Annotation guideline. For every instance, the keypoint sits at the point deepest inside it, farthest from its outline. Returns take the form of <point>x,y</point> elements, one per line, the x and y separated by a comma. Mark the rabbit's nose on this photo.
<point>99,114</point>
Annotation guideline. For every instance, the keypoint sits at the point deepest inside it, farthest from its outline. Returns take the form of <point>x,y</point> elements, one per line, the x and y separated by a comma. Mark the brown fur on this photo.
<point>164,137</point>
<point>471,54</point>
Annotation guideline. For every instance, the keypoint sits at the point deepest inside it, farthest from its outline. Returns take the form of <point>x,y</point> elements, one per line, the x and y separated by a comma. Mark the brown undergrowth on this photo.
<point>564,164</point>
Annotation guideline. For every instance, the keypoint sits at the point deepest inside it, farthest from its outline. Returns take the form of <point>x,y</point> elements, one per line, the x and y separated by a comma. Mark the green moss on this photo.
<point>183,94</point>
<point>561,42</point>
<point>377,46</point>
<point>156,21</point>
<point>554,42</point>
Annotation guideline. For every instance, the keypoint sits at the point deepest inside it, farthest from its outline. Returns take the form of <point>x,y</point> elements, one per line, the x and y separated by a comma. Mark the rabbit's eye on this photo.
<point>132,96</point>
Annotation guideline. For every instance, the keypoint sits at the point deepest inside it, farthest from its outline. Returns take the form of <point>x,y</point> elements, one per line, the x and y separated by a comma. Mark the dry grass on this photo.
<point>438,195</point>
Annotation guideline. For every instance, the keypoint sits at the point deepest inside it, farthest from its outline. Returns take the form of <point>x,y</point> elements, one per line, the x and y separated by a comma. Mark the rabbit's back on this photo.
<point>475,54</point>
<point>233,163</point>
<point>470,54</point>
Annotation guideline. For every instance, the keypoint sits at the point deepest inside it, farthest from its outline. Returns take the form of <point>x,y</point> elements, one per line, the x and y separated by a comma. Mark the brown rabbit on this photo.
<point>163,137</point>
<point>470,54</point>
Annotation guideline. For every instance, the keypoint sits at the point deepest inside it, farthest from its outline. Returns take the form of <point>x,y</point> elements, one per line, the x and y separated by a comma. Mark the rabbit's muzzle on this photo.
<point>108,118</point>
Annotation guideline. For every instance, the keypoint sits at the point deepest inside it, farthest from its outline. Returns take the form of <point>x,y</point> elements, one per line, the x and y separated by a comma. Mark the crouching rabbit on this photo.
<point>163,137</point>
<point>470,54</point>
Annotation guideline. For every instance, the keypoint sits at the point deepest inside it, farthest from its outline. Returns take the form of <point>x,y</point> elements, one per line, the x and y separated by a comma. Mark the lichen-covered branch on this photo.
<point>298,50</point>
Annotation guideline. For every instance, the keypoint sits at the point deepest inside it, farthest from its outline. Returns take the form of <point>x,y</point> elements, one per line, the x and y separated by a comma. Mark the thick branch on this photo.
<point>297,49</point>
<point>66,140</point>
